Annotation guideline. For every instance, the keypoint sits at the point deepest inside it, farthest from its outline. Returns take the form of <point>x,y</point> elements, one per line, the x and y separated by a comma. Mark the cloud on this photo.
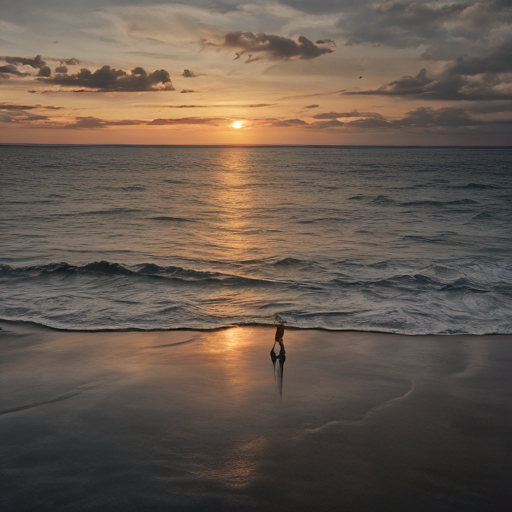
<point>427,116</point>
<point>322,125</point>
<point>185,91</point>
<point>70,62</point>
<point>36,62</point>
<point>16,106</point>
<point>187,73</point>
<point>302,96</point>
<point>16,113</point>
<point>250,105</point>
<point>486,107</point>
<point>251,59</point>
<point>287,123</point>
<point>499,60</point>
<point>90,123</point>
<point>45,71</point>
<point>270,46</point>
<point>215,121</point>
<point>326,41</point>
<point>466,78</point>
<point>403,24</point>
<point>354,113</point>
<point>107,79</point>
<point>311,106</point>
<point>20,116</point>
<point>13,106</point>
<point>422,119</point>
<point>10,69</point>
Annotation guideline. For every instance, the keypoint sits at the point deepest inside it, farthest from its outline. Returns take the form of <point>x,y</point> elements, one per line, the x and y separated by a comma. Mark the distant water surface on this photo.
<point>404,240</point>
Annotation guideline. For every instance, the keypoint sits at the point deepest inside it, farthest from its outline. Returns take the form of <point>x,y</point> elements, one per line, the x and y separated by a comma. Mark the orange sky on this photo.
<point>146,72</point>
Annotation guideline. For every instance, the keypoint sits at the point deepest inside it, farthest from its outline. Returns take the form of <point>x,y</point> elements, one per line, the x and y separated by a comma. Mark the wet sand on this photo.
<point>194,421</point>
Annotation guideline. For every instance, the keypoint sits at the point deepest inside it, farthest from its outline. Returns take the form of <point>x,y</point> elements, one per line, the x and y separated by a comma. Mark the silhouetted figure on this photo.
<point>281,357</point>
<point>280,332</point>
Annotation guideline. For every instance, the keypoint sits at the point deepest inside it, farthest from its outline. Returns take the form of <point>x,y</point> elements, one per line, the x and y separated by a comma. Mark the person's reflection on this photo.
<point>281,357</point>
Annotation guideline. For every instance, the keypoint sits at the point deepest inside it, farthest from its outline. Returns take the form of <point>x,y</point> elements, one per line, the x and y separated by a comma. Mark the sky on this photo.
<point>256,72</point>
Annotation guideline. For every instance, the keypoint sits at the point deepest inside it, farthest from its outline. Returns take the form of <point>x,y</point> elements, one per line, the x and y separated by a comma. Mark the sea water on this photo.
<point>390,239</point>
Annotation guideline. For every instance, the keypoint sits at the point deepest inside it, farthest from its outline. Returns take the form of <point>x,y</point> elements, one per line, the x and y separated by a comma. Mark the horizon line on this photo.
<point>463,146</point>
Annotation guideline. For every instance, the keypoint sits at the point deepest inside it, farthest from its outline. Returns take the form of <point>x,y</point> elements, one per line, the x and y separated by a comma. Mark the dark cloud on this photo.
<point>413,23</point>
<point>302,96</point>
<point>70,62</point>
<point>405,85</point>
<point>288,123</point>
<point>20,117</point>
<point>322,125</point>
<point>90,122</point>
<point>36,62</point>
<point>255,105</point>
<point>422,119</point>
<point>271,46</point>
<point>215,121</point>
<point>107,79</point>
<point>490,107</point>
<point>45,71</point>
<point>15,106</point>
<point>311,106</point>
<point>251,59</point>
<point>426,116</point>
<point>10,69</point>
<point>368,124</point>
<point>447,86</point>
<point>12,113</point>
<point>466,78</point>
<point>354,113</point>
<point>498,60</point>
<point>187,73</point>
<point>185,91</point>
<point>326,41</point>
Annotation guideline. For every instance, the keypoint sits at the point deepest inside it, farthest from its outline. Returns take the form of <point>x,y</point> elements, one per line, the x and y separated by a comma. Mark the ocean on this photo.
<point>389,239</point>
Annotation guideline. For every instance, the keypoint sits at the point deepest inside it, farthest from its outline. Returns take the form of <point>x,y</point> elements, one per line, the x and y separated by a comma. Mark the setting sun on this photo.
<point>237,124</point>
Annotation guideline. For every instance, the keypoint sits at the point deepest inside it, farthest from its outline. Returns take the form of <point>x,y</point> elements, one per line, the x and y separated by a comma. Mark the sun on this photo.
<point>237,125</point>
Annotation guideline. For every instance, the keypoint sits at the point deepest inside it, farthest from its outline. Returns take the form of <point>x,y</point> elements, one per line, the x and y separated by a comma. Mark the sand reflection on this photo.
<point>230,351</point>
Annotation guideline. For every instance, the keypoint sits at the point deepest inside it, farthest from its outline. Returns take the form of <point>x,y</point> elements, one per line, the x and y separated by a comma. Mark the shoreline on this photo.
<point>231,326</point>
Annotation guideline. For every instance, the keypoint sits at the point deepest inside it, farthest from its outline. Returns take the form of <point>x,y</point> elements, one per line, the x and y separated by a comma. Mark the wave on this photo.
<point>172,219</point>
<point>472,296</point>
<point>110,211</point>
<point>313,322</point>
<point>386,200</point>
<point>475,186</point>
<point>107,268</point>
<point>439,203</point>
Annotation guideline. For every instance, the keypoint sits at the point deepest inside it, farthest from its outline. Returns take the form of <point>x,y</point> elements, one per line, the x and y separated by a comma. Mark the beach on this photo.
<point>195,420</point>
